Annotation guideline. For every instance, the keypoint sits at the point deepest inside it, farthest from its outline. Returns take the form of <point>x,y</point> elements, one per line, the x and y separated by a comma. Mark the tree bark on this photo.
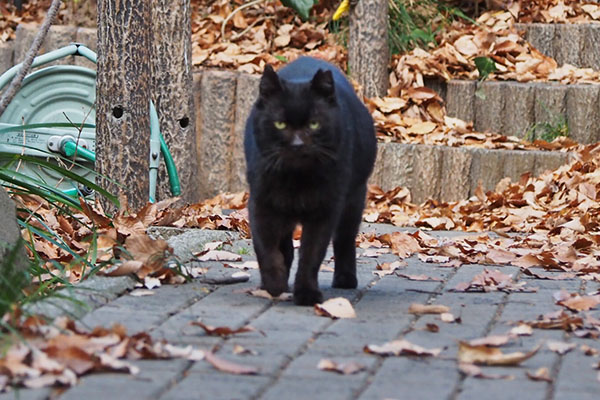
<point>172,92</point>
<point>368,51</point>
<point>122,97</point>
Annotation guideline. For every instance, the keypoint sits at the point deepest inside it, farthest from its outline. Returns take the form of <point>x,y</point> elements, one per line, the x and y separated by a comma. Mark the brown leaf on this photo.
<point>485,355</point>
<point>560,347</point>
<point>400,348</point>
<point>419,309</point>
<point>541,374</point>
<point>223,331</point>
<point>348,368</point>
<point>229,366</point>
<point>580,303</point>
<point>219,255</point>
<point>522,330</point>
<point>474,371</point>
<point>266,295</point>
<point>335,308</point>
<point>493,341</point>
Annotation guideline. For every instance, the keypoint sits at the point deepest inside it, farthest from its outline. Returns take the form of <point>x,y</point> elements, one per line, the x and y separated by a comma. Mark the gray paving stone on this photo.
<point>295,339</point>
<point>27,394</point>
<point>331,387</point>
<point>577,378</point>
<point>215,386</point>
<point>147,384</point>
<point>473,388</point>
<point>405,377</point>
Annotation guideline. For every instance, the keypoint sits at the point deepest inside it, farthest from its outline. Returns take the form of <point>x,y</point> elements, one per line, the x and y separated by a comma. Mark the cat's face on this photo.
<point>296,122</point>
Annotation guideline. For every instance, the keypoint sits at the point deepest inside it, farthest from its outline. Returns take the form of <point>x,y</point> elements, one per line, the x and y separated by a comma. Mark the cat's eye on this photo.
<point>280,125</point>
<point>314,125</point>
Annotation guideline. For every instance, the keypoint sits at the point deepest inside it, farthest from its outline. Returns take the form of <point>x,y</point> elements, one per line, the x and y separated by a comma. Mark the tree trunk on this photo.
<point>122,98</point>
<point>172,92</point>
<point>368,52</point>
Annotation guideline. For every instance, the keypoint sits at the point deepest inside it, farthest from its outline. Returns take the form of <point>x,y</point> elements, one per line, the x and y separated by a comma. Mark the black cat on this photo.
<point>310,147</point>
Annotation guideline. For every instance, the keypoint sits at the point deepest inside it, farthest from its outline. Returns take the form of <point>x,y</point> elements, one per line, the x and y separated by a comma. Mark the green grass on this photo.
<point>40,278</point>
<point>411,23</point>
<point>415,23</point>
<point>556,126</point>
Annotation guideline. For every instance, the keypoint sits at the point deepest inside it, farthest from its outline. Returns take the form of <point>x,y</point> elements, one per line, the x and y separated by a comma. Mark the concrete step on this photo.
<point>453,173</point>
<point>575,44</point>
<point>444,173</point>
<point>512,108</point>
<point>223,100</point>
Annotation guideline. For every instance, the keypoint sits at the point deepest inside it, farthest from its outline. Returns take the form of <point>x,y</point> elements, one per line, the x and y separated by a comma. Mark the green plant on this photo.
<point>302,7</point>
<point>43,276</point>
<point>415,23</point>
<point>556,126</point>
<point>13,279</point>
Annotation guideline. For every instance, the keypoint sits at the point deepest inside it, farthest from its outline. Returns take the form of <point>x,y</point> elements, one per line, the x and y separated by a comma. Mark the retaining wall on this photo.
<point>223,100</point>
<point>512,107</point>
<point>575,44</point>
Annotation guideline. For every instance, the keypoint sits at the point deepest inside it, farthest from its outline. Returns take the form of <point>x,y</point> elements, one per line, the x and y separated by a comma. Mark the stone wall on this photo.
<point>223,100</point>
<point>511,108</point>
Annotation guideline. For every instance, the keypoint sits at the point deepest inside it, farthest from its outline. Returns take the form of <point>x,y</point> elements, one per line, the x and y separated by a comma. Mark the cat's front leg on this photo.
<point>315,239</point>
<point>268,235</point>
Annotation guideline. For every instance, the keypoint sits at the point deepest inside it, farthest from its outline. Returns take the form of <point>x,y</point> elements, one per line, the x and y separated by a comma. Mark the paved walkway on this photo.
<point>296,339</point>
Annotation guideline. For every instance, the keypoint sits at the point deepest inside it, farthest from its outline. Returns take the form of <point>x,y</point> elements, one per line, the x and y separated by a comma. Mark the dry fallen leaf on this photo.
<point>419,309</point>
<point>219,255</point>
<point>522,330</point>
<point>245,265</point>
<point>239,349</point>
<point>560,347</point>
<point>348,368</point>
<point>449,317</point>
<point>224,331</point>
<point>580,303</point>
<point>493,341</point>
<point>335,308</point>
<point>474,371</point>
<point>266,295</point>
<point>541,374</point>
<point>485,355</point>
<point>142,292</point>
<point>400,348</point>
<point>229,366</point>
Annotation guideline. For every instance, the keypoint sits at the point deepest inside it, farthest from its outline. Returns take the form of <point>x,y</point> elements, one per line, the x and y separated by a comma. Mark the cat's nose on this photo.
<point>297,141</point>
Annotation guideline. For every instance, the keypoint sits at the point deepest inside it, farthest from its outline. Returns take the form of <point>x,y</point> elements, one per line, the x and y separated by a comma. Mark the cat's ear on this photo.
<point>322,83</point>
<point>269,83</point>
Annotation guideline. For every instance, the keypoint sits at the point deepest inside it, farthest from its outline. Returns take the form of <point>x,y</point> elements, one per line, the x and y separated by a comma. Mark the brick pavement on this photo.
<point>296,339</point>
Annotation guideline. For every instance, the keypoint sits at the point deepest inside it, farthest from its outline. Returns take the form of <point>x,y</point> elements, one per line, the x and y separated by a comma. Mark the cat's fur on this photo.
<point>313,171</point>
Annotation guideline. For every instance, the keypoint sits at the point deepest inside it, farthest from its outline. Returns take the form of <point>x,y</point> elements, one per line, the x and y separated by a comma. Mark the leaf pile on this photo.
<point>557,214</point>
<point>121,242</point>
<point>557,11</point>
<point>209,214</point>
<point>417,115</point>
<point>496,38</point>
<point>60,353</point>
<point>259,34</point>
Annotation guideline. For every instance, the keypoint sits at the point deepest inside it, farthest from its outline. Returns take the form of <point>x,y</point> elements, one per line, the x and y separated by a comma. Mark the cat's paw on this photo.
<point>344,281</point>
<point>307,297</point>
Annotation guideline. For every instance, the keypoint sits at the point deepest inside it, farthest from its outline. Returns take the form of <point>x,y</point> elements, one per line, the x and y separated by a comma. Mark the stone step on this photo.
<point>575,44</point>
<point>512,108</point>
<point>223,100</point>
<point>453,173</point>
<point>444,173</point>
